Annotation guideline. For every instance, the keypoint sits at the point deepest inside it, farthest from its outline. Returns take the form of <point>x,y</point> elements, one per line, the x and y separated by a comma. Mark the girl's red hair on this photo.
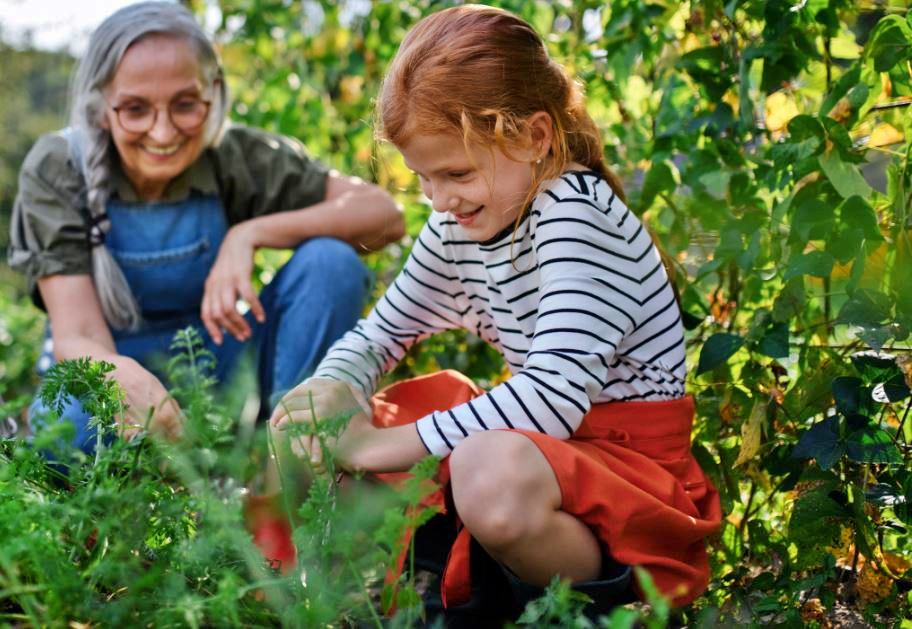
<point>481,72</point>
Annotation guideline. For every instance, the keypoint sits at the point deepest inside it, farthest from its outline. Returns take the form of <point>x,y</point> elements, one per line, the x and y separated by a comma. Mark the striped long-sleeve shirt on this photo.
<point>577,302</point>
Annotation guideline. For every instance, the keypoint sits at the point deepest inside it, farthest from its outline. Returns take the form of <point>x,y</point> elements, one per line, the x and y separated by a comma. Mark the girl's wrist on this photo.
<point>393,449</point>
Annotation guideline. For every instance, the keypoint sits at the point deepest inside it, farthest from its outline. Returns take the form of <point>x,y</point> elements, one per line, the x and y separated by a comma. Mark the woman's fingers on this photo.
<point>219,311</point>
<point>245,289</point>
<point>208,319</point>
<point>229,317</point>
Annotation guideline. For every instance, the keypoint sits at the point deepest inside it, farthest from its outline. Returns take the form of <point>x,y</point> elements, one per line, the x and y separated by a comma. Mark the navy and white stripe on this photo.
<point>577,302</point>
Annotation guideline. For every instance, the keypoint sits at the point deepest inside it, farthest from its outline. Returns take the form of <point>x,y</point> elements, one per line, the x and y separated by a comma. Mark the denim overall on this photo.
<point>166,249</point>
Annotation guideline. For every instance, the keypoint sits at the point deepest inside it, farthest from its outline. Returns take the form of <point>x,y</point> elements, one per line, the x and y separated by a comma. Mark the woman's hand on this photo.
<point>228,281</point>
<point>147,401</point>
<point>318,399</point>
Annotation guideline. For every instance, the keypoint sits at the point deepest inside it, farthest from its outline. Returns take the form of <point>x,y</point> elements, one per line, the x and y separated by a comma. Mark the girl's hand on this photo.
<point>317,399</point>
<point>228,281</point>
<point>147,401</point>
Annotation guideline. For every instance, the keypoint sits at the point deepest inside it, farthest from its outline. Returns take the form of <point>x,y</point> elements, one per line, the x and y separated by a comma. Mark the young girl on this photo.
<point>581,460</point>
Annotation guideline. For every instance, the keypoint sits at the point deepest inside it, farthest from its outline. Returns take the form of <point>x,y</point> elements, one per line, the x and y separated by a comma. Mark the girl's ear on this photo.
<point>541,128</point>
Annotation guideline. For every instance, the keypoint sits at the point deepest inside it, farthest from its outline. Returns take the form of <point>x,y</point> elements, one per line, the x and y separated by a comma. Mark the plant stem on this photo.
<point>378,622</point>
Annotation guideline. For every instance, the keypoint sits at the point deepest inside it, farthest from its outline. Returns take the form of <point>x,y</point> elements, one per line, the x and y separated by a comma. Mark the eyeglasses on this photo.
<point>187,114</point>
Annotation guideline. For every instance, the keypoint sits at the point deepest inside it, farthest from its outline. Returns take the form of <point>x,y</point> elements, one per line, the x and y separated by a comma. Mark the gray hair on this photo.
<point>96,70</point>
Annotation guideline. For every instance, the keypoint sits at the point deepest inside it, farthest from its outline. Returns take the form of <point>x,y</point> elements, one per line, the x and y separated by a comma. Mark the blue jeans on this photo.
<point>315,298</point>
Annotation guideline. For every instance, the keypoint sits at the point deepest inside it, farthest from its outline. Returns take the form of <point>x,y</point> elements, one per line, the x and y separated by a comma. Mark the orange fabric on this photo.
<point>627,473</point>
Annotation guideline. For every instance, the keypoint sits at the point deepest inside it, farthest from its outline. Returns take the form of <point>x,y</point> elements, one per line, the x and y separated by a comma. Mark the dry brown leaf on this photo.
<point>751,432</point>
<point>841,110</point>
<point>813,610</point>
<point>875,585</point>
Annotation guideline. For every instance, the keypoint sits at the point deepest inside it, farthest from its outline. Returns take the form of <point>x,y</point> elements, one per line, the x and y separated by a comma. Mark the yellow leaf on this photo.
<point>885,134</point>
<point>690,42</point>
<point>874,584</point>
<point>780,108</point>
<point>751,432</point>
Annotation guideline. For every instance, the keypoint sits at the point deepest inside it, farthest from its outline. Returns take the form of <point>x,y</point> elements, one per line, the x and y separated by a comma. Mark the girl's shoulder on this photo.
<point>576,189</point>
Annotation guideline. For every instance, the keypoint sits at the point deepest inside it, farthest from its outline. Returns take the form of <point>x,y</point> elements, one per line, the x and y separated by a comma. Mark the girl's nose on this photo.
<point>441,201</point>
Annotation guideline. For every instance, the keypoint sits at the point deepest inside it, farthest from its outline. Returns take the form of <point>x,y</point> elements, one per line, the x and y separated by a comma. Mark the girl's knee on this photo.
<point>496,487</point>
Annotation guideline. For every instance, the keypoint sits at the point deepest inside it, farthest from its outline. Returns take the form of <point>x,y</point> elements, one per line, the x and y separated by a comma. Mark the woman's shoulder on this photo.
<point>50,157</point>
<point>49,165</point>
<point>242,141</point>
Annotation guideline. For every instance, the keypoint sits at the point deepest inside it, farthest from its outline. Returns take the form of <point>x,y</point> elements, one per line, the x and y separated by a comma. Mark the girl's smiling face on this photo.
<point>482,189</point>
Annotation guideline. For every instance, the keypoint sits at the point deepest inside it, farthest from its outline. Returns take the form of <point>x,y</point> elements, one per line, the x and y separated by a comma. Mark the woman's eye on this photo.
<point>185,105</point>
<point>459,174</point>
<point>135,109</point>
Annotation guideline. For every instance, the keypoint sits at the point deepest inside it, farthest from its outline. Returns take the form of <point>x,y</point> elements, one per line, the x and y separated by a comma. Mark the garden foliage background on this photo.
<point>766,143</point>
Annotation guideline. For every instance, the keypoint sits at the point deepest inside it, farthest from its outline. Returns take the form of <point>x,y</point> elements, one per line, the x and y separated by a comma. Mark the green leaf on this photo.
<point>816,263</point>
<point>790,301</point>
<point>845,176</point>
<point>659,179</point>
<point>872,445</point>
<point>716,183</point>
<point>846,245</point>
<point>867,308</point>
<point>846,82</point>
<point>890,43</point>
<point>847,393</point>
<point>821,442</point>
<point>813,220</point>
<point>856,213</point>
<point>806,136</point>
<point>718,349</point>
<point>813,524</point>
<point>775,343</point>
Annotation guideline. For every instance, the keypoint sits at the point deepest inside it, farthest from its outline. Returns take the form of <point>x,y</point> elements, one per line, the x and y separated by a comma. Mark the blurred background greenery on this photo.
<point>764,142</point>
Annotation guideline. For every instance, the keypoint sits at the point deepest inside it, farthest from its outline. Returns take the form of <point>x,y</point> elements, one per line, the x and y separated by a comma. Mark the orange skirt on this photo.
<point>627,473</point>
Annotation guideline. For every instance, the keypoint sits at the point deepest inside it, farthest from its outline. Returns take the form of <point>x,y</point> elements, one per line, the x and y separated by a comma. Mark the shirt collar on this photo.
<point>200,176</point>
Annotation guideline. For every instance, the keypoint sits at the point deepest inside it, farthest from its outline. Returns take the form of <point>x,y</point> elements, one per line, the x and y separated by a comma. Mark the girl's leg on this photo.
<point>314,299</point>
<point>508,498</point>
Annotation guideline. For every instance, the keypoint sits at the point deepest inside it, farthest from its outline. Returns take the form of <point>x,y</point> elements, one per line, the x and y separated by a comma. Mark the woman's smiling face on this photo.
<point>482,189</point>
<point>157,71</point>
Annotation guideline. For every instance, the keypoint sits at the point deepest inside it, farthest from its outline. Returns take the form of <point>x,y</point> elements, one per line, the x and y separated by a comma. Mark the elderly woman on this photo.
<point>143,217</point>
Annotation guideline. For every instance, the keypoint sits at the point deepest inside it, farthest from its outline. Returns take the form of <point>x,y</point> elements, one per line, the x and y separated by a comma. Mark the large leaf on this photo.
<point>856,213</point>
<point>872,445</point>
<point>821,442</point>
<point>845,176</point>
<point>814,524</point>
<point>847,394</point>
<point>718,349</point>
<point>891,43</point>
<point>813,220</point>
<point>866,308</point>
<point>816,263</point>
<point>775,343</point>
